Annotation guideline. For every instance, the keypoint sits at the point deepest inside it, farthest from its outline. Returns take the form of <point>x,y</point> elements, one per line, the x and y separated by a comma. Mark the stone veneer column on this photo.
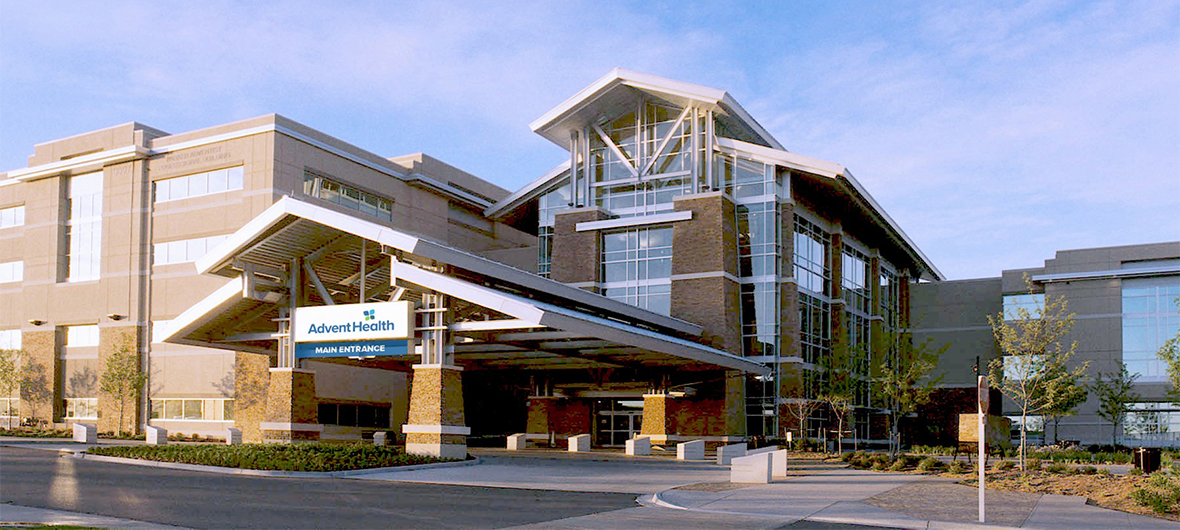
<point>656,423</point>
<point>576,255</point>
<point>110,339</point>
<point>435,426</point>
<point>541,411</point>
<point>291,412</point>
<point>251,384</point>
<point>41,392</point>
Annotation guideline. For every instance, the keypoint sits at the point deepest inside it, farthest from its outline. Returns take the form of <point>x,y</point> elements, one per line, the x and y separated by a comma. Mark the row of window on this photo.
<point>334,192</point>
<point>216,409</point>
<point>12,216</point>
<point>81,408</point>
<point>12,271</point>
<point>84,227</point>
<point>185,250</point>
<point>351,415</point>
<point>199,184</point>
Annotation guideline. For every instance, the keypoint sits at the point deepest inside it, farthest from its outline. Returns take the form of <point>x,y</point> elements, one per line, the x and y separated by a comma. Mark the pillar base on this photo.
<point>435,426</point>
<point>438,450</point>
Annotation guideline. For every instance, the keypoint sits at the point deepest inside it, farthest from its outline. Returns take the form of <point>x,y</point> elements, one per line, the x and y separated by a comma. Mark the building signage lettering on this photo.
<point>384,348</point>
<point>354,322</point>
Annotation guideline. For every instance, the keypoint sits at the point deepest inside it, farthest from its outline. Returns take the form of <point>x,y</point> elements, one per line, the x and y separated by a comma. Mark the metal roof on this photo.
<point>505,317</point>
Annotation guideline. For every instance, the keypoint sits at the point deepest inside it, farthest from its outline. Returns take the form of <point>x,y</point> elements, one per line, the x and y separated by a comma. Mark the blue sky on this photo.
<point>995,133</point>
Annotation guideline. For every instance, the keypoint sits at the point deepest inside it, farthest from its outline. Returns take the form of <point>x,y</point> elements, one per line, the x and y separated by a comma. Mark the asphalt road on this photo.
<point>43,479</point>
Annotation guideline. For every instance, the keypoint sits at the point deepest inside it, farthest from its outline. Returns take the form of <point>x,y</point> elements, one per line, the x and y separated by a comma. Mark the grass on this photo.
<point>274,457</point>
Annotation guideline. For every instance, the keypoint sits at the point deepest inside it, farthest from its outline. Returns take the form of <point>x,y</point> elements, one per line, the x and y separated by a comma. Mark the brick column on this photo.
<point>735,405</point>
<point>291,412</point>
<point>436,425</point>
<point>40,393</point>
<point>704,269</point>
<point>576,255</point>
<point>836,265</point>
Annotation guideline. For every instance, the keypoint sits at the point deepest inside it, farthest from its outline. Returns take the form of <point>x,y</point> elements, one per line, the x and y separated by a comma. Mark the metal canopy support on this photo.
<point>664,142</point>
<point>436,347</point>
<point>364,258</point>
<point>585,144</point>
<point>319,286</point>
<point>695,131</point>
<point>574,166</point>
<point>618,152</point>
<point>709,177</point>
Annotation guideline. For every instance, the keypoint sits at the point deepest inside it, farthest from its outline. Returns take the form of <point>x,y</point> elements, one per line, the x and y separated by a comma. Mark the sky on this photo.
<point>995,133</point>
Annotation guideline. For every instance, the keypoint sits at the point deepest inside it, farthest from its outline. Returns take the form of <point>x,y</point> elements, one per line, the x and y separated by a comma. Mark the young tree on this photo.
<point>1169,352</point>
<point>122,378</point>
<point>840,406</point>
<point>1033,361</point>
<point>903,378</point>
<point>10,361</point>
<point>800,409</point>
<point>1071,393</point>
<point>1115,391</point>
<point>838,389</point>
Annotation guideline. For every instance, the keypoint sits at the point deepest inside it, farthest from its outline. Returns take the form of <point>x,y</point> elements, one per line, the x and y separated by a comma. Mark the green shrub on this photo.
<point>1103,471</point>
<point>1057,467</point>
<point>880,466</point>
<point>1032,464</point>
<point>1088,470</point>
<point>1135,471</point>
<point>861,462</point>
<point>957,467</point>
<point>899,465</point>
<point>1005,465</point>
<point>929,464</point>
<point>278,457</point>
<point>879,459</point>
<point>940,450</point>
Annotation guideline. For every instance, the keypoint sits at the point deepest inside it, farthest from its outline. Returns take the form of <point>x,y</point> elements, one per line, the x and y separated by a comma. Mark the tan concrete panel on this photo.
<point>207,375</point>
<point>353,383</point>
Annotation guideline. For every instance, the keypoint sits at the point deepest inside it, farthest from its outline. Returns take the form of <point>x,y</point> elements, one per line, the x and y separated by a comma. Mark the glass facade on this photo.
<point>1150,318</point>
<point>198,184</point>
<point>217,409</point>
<point>857,294</point>
<point>548,204</point>
<point>1033,304</point>
<point>185,250</point>
<point>637,267</point>
<point>82,336</point>
<point>84,227</point>
<point>1152,420</point>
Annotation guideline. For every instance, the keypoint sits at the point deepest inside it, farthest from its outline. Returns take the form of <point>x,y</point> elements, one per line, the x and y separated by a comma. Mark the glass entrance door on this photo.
<point>617,421</point>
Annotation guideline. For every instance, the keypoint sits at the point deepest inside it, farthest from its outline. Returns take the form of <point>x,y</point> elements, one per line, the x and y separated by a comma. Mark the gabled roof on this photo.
<point>618,90</point>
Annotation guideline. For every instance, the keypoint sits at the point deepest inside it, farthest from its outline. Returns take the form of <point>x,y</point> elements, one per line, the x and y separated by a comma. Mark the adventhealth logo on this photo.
<point>368,323</point>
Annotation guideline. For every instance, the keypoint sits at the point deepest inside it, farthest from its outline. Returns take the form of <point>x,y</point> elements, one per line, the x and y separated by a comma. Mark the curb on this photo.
<point>657,499</point>
<point>263,472</point>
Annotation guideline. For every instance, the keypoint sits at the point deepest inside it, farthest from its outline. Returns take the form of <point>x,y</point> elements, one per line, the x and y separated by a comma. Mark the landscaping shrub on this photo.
<point>880,466</point>
<point>1005,465</point>
<point>1135,471</point>
<point>861,462</point>
<point>37,433</point>
<point>279,457</point>
<point>957,467</point>
<point>899,465</point>
<point>879,459</point>
<point>930,464</point>
<point>940,450</point>
<point>1162,493</point>
<point>1032,464</point>
<point>1088,470</point>
<point>1057,467</point>
<point>1103,471</point>
<point>847,457</point>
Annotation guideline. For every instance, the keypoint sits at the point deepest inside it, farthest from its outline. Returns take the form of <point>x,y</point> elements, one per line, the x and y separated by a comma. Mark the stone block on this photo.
<point>156,435</point>
<point>751,469</point>
<point>579,443</point>
<point>85,433</point>
<point>777,456</point>
<point>727,453</point>
<point>639,446</point>
<point>233,436</point>
<point>518,442</point>
<point>381,438</point>
<point>694,450</point>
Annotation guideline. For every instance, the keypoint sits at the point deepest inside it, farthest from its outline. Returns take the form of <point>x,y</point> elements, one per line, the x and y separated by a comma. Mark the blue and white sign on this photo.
<point>354,322</point>
<point>361,349</point>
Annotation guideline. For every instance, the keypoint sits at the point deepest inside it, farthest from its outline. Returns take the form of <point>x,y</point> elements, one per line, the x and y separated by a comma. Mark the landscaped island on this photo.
<point>274,457</point>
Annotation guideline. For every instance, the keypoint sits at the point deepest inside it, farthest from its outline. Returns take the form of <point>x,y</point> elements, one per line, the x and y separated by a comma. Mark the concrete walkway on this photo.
<point>11,514</point>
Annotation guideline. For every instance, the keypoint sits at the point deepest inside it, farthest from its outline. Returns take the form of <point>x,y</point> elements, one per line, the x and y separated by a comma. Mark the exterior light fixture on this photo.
<point>116,316</point>
<point>36,321</point>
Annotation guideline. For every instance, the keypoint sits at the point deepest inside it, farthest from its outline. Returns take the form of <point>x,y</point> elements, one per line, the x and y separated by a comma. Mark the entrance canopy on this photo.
<point>297,254</point>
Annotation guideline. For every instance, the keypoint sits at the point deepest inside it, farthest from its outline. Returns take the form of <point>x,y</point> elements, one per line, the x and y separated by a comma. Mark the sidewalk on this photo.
<point>11,514</point>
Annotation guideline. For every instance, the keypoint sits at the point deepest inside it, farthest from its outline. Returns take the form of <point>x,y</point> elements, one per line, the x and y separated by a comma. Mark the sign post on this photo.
<point>981,386</point>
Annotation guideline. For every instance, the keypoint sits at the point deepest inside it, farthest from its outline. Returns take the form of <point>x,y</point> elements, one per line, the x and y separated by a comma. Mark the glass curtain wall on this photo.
<point>814,277</point>
<point>857,310</point>
<point>84,227</point>
<point>548,204</point>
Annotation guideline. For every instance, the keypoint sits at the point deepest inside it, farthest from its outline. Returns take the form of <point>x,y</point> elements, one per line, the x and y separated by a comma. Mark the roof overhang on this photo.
<point>517,319</point>
<point>619,90</point>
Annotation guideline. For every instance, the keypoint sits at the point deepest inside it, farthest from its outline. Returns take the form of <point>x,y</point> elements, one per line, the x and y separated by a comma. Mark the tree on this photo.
<point>904,379</point>
<point>10,361</point>
<point>1115,391</point>
<point>1033,361</point>
<point>122,378</point>
<point>1071,393</point>
<point>839,385</point>
<point>1169,352</point>
<point>36,388</point>
<point>800,409</point>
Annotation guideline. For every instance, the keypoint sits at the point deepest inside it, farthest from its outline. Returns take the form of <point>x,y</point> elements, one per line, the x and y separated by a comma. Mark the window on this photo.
<point>12,216</point>
<point>1152,420</point>
<point>13,271</point>
<point>352,415</point>
<point>81,336</point>
<point>10,339</point>
<point>637,267</point>
<point>745,179</point>
<point>82,408</point>
<point>334,192</point>
<point>636,136</point>
<point>1150,318</point>
<point>548,205</point>
<point>758,239</point>
<point>199,184</point>
<point>185,250</point>
<point>1017,305</point>
<point>9,407</point>
<point>216,409</point>
<point>815,327</point>
<point>811,257</point>
<point>84,227</point>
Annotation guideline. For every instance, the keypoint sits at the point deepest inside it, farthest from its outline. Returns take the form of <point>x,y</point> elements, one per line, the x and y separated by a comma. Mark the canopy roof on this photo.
<point>504,317</point>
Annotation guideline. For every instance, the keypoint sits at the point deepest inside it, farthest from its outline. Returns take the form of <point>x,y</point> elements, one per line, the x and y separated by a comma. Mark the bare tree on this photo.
<point>904,379</point>
<point>1033,360</point>
<point>800,409</point>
